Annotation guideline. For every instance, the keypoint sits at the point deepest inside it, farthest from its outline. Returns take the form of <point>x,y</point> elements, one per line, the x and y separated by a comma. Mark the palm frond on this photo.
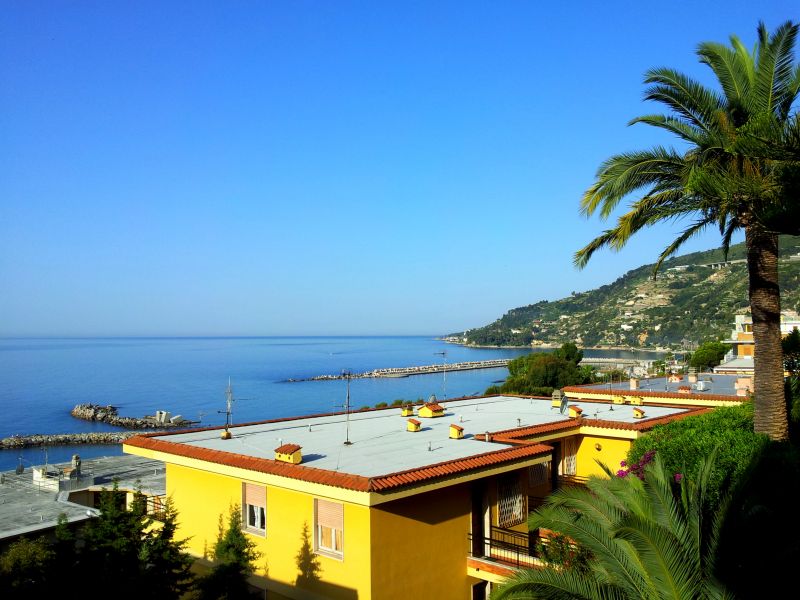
<point>686,97</point>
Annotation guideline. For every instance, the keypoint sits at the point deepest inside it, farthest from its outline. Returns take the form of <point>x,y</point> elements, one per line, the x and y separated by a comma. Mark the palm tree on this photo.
<point>647,540</point>
<point>739,172</point>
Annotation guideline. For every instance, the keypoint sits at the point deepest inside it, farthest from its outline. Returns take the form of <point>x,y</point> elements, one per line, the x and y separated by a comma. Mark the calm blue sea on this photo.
<point>42,379</point>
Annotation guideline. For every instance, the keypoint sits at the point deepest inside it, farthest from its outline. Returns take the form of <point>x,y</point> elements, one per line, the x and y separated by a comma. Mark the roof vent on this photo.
<point>289,453</point>
<point>456,431</point>
<point>430,410</point>
<point>413,425</point>
<point>575,412</point>
<point>638,413</point>
<point>407,410</point>
<point>557,396</point>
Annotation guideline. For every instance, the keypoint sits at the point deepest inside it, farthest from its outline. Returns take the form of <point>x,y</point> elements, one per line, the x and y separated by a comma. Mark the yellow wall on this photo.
<point>199,497</point>
<point>612,451</point>
<point>419,546</point>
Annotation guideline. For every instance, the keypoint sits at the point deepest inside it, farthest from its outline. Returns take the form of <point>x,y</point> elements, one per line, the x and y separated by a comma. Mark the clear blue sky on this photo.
<point>270,168</point>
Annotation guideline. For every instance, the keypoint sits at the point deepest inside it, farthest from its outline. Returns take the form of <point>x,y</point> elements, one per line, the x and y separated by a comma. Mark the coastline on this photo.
<point>549,346</point>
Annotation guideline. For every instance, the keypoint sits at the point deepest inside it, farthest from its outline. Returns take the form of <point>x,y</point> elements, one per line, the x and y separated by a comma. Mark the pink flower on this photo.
<point>623,463</point>
<point>622,473</point>
<point>678,477</point>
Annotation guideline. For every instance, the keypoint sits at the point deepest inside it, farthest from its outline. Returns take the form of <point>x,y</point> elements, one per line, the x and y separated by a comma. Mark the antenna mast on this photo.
<point>347,375</point>
<point>444,374</point>
<point>226,435</point>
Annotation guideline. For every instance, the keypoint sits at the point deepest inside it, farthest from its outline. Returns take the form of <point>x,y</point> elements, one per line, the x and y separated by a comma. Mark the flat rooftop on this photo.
<point>714,384</point>
<point>27,507</point>
<point>380,443</point>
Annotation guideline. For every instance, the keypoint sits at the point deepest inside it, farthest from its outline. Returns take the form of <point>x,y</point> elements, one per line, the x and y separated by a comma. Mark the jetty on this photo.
<point>409,371</point>
<point>108,414</point>
<point>16,442</point>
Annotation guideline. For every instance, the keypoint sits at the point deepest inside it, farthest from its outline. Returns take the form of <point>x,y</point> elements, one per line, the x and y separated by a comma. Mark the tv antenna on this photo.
<point>347,375</point>
<point>226,435</point>
<point>443,354</point>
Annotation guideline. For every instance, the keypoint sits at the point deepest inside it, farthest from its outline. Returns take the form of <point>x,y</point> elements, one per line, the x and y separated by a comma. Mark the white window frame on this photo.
<point>258,524</point>
<point>333,551</point>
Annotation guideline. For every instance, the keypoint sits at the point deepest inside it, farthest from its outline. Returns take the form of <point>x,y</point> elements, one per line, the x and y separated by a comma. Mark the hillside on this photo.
<point>690,301</point>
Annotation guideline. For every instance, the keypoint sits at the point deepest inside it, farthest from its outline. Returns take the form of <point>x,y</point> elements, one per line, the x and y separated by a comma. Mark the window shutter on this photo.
<point>539,474</point>
<point>511,504</point>
<point>255,494</point>
<point>330,514</point>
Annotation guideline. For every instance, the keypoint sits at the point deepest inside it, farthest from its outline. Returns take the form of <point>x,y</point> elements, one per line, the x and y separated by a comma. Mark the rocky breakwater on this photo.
<point>64,439</point>
<point>109,414</point>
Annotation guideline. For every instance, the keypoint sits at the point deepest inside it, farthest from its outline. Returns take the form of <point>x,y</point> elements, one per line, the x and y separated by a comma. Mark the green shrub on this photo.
<point>682,444</point>
<point>398,402</point>
<point>381,405</point>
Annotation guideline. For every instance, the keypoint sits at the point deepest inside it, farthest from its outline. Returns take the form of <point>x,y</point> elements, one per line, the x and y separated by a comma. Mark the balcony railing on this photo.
<point>156,508</point>
<point>504,545</point>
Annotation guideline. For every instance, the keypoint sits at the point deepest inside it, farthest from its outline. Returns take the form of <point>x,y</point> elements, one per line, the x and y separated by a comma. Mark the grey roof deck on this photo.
<point>717,384</point>
<point>380,443</point>
<point>27,507</point>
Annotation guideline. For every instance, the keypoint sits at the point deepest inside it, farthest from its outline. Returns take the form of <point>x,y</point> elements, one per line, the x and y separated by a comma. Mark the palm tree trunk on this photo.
<point>765,303</point>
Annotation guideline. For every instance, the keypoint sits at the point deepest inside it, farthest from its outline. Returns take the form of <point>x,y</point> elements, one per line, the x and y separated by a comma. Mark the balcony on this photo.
<point>505,546</point>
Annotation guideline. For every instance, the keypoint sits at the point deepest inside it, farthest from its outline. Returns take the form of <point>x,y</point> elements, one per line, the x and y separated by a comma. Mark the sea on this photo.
<point>41,380</point>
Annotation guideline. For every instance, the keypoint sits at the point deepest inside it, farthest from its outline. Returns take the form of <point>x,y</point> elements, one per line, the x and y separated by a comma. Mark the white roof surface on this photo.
<point>380,443</point>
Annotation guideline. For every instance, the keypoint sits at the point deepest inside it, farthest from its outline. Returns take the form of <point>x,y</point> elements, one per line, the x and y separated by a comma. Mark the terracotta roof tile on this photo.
<point>456,427</point>
<point>414,422</point>
<point>287,449</point>
<point>650,394</point>
<point>434,406</point>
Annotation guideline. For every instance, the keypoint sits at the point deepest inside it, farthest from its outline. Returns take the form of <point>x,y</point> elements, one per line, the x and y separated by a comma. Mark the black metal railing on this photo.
<point>571,480</point>
<point>156,508</point>
<point>504,545</point>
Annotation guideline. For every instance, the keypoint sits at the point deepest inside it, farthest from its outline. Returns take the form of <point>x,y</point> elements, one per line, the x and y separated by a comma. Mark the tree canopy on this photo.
<point>538,373</point>
<point>737,169</point>
<point>708,355</point>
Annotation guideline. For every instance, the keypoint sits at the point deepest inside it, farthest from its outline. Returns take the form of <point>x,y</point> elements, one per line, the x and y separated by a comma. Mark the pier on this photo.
<point>420,370</point>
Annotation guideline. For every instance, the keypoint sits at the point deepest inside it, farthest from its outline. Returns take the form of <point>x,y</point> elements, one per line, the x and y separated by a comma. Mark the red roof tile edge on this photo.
<point>358,483</point>
<point>649,394</point>
<point>287,449</point>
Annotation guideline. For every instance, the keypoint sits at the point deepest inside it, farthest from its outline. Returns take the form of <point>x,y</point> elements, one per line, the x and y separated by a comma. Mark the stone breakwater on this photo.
<point>421,370</point>
<point>108,414</point>
<point>64,439</point>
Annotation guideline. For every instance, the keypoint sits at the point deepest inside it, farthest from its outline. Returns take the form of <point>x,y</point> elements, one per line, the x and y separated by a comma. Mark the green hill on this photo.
<point>690,301</point>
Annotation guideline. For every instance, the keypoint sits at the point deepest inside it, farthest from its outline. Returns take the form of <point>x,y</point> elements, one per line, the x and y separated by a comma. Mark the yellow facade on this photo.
<point>419,546</point>
<point>608,450</point>
<point>287,513</point>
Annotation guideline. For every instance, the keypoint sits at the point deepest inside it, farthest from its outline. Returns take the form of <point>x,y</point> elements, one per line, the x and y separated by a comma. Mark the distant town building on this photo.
<point>739,360</point>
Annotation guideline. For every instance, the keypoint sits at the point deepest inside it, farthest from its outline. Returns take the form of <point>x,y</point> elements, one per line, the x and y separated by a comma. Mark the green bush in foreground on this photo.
<point>682,445</point>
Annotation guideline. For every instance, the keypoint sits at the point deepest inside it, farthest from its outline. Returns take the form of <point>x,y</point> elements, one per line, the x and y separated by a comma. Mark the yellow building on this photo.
<point>701,390</point>
<point>391,514</point>
<point>739,361</point>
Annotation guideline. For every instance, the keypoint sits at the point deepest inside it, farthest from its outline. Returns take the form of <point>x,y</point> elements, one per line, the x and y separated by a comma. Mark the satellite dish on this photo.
<point>563,408</point>
<point>432,399</point>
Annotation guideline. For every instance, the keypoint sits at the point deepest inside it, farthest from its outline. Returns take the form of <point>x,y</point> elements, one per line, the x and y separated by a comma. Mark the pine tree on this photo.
<point>234,555</point>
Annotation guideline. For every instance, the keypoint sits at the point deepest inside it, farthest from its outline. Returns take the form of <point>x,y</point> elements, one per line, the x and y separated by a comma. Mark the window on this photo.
<point>539,474</point>
<point>329,528</point>
<point>254,508</point>
<point>510,501</point>
<point>569,463</point>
